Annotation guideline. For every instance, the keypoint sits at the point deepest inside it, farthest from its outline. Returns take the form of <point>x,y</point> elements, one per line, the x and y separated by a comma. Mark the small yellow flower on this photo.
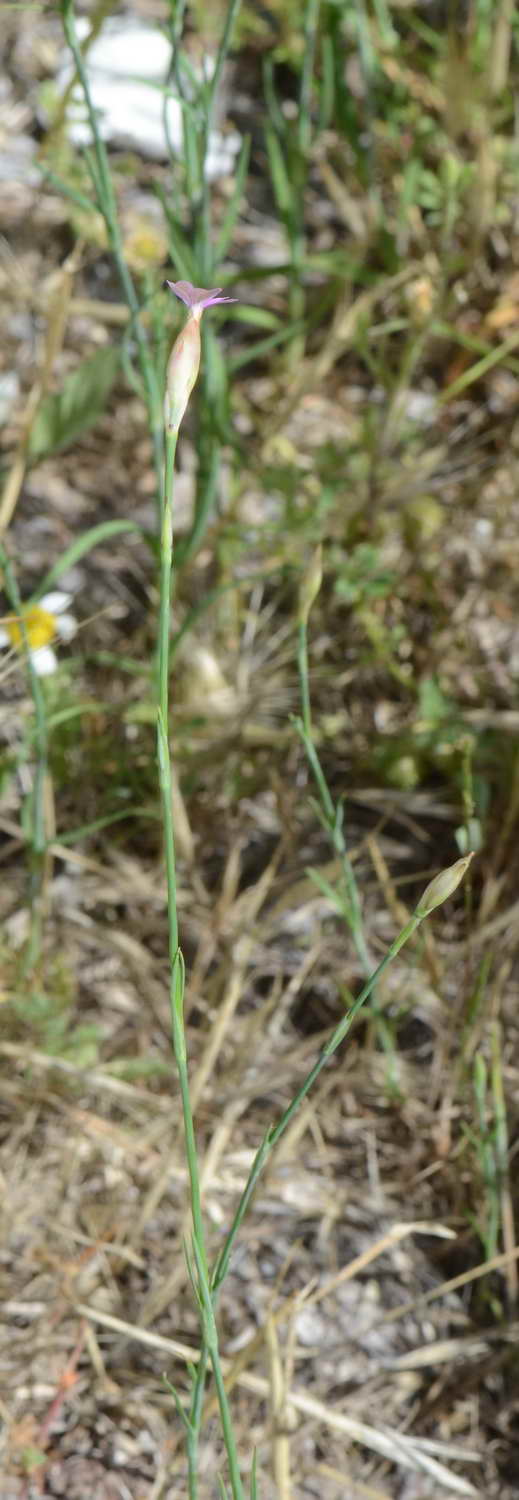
<point>39,625</point>
<point>145,245</point>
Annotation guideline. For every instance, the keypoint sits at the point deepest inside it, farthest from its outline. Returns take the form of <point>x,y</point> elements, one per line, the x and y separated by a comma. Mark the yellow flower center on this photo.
<point>40,627</point>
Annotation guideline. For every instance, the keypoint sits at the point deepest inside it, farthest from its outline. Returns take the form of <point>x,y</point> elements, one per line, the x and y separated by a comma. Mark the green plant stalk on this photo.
<point>304,729</point>
<point>310,26</point>
<point>275,1132</point>
<point>177,10</point>
<point>209,1333</point>
<point>505,1211</point>
<point>296,295</point>
<point>484,1142</point>
<point>175,956</point>
<point>237,1489</point>
<point>208,474</point>
<point>197,146</point>
<point>498,1096</point>
<point>105,196</point>
<point>164,762</point>
<point>38,832</point>
<point>351,905</point>
<point>206,1305</point>
<point>231,16</point>
<point>196,1413</point>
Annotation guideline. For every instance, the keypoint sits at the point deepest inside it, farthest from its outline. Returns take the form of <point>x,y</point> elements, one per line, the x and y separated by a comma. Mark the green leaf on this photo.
<point>92,538</point>
<point>67,191</point>
<point>254,1476</point>
<point>62,417</point>
<point>233,207</point>
<point>74,711</point>
<point>326,889</point>
<point>75,835</point>
<point>181,252</point>
<point>275,112</point>
<point>263,346</point>
<point>216,384</point>
<point>433,707</point>
<point>258,317</point>
<point>279,174</point>
<point>32,1458</point>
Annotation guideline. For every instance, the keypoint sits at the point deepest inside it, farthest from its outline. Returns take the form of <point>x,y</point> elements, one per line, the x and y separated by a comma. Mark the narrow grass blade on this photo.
<point>233,207</point>
<point>105,532</point>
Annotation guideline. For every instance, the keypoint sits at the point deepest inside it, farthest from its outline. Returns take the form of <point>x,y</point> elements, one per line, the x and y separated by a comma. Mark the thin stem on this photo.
<point>237,1489</point>
<point>175,955</point>
<point>232,12</point>
<point>176,22</point>
<point>164,760</point>
<point>208,474</point>
<point>195,1417</point>
<point>206,1304</point>
<point>302,665</point>
<point>106,203</point>
<point>209,1332</point>
<point>350,902</point>
<point>311,23</point>
<point>38,831</point>
<point>273,1135</point>
<point>166,563</point>
<point>298,168</point>
<point>352,911</point>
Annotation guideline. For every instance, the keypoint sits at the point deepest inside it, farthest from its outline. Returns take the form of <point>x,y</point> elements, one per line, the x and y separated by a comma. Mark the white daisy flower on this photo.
<point>43,623</point>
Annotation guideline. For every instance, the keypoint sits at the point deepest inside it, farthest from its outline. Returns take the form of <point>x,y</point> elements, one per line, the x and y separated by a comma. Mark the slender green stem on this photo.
<point>273,1135</point>
<point>231,15</point>
<point>209,1333</point>
<point>177,10</point>
<point>38,831</point>
<point>237,1489</point>
<point>298,168</point>
<point>311,22</point>
<point>195,1416</point>
<point>106,202</point>
<point>206,1304</point>
<point>175,956</point>
<point>353,908</point>
<point>208,474</point>
<point>350,898</point>
<point>302,664</point>
<point>164,761</point>
<point>353,911</point>
<point>166,563</point>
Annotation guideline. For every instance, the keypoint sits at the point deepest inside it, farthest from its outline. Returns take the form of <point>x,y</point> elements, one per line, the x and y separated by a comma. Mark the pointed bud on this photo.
<point>443,886</point>
<point>183,367</point>
<point>310,585</point>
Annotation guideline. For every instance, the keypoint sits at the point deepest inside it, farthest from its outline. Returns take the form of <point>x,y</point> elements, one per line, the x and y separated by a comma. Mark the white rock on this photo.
<point>421,407</point>
<point>9,393</point>
<point>126,66</point>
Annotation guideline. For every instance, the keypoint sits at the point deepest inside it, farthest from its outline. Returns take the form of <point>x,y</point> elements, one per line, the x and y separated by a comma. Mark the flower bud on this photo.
<point>443,886</point>
<point>310,585</point>
<point>183,367</point>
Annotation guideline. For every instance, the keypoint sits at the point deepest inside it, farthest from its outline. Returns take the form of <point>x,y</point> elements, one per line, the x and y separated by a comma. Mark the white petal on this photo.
<point>56,602</point>
<point>66,627</point>
<point>5,639</point>
<point>44,660</point>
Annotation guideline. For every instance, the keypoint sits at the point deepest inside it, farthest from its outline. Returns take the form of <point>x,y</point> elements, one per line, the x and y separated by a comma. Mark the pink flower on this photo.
<point>197,297</point>
<point>184,360</point>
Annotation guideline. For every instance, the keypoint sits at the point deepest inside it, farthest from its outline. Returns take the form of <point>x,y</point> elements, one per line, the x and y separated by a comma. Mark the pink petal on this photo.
<point>197,296</point>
